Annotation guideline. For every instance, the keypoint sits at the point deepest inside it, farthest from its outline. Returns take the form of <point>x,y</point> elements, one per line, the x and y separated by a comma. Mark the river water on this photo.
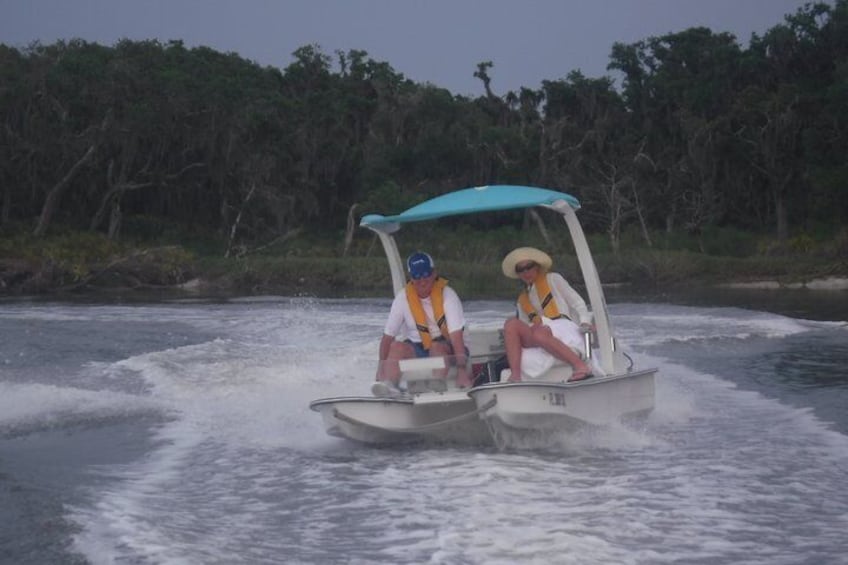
<point>179,432</point>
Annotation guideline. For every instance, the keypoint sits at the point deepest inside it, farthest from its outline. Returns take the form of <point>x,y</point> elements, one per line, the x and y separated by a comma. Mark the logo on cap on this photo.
<point>420,265</point>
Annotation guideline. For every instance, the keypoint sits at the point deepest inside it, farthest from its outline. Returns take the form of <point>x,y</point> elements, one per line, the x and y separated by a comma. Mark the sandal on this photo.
<point>580,376</point>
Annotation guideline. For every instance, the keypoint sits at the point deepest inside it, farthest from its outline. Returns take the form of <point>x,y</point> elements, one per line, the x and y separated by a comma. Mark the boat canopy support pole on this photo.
<point>392,254</point>
<point>610,359</point>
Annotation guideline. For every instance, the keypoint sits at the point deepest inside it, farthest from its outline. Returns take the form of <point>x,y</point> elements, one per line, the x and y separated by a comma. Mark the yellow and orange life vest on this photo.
<point>437,297</point>
<point>549,305</point>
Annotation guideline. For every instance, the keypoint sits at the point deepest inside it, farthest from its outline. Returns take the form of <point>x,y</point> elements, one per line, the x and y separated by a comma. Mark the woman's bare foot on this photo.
<point>581,375</point>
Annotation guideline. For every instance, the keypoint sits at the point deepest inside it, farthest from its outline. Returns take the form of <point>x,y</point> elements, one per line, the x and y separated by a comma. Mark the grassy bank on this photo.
<point>84,262</point>
<point>363,276</point>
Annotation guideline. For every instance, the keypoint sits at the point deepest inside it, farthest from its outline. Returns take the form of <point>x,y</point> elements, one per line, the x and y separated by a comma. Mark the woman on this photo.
<point>546,308</point>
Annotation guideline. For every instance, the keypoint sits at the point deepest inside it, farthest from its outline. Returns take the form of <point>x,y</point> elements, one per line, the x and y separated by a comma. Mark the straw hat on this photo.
<point>522,254</point>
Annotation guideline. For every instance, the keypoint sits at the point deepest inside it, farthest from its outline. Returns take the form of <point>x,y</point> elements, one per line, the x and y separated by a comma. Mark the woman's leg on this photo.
<point>516,335</point>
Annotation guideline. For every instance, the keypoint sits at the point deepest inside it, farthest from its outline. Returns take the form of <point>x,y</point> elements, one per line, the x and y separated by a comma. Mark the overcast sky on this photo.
<point>436,41</point>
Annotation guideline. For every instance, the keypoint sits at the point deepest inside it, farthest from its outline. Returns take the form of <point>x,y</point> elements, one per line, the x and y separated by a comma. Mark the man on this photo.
<point>426,320</point>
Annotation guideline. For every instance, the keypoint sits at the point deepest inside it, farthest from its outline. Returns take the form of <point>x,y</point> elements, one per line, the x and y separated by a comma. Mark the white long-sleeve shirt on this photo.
<point>568,300</point>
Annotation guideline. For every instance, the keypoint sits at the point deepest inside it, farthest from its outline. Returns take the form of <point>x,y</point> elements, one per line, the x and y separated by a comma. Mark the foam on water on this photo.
<point>26,408</point>
<point>687,324</point>
<point>243,472</point>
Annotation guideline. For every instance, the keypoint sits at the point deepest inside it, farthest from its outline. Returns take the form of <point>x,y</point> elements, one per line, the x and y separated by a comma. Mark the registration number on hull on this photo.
<point>556,399</point>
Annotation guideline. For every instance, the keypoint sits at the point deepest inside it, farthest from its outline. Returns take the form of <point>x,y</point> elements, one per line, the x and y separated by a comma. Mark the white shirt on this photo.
<point>401,324</point>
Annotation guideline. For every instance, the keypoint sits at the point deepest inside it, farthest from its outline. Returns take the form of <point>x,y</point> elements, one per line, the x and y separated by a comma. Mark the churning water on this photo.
<point>180,433</point>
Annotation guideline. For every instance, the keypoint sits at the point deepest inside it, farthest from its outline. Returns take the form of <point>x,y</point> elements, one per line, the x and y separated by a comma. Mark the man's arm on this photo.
<point>456,324</point>
<point>463,379</point>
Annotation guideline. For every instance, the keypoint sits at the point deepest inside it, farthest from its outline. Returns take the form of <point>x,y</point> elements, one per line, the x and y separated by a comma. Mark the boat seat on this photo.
<point>424,374</point>
<point>484,343</point>
<point>560,372</point>
<point>557,371</point>
<point>552,369</point>
<point>487,352</point>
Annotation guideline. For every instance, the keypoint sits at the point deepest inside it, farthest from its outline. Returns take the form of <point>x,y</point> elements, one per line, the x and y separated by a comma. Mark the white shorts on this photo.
<point>535,360</point>
<point>566,331</point>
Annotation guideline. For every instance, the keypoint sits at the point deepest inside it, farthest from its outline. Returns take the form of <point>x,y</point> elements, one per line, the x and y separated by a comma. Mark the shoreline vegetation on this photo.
<point>87,264</point>
<point>149,166</point>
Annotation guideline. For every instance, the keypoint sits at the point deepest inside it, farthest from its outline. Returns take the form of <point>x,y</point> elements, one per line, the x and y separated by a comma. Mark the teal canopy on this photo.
<point>472,200</point>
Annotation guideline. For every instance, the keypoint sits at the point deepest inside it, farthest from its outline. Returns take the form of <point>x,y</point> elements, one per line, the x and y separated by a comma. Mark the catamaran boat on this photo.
<point>534,412</point>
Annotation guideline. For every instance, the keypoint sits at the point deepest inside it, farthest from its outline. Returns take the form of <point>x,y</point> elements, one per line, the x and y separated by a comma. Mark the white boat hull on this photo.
<point>529,414</point>
<point>448,418</point>
<point>534,413</point>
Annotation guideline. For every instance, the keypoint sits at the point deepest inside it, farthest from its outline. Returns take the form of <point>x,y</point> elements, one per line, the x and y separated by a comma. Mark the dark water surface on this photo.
<point>179,432</point>
<point>795,303</point>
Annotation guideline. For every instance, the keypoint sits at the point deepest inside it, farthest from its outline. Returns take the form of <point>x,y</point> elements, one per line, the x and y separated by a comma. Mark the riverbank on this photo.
<point>826,283</point>
<point>173,269</point>
<point>823,299</point>
<point>353,277</point>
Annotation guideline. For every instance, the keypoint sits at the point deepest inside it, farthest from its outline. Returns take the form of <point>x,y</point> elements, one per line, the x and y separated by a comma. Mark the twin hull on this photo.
<point>497,413</point>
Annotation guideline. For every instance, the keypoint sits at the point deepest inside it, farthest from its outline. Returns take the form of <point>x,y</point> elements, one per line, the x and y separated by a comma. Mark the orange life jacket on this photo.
<point>543,290</point>
<point>437,297</point>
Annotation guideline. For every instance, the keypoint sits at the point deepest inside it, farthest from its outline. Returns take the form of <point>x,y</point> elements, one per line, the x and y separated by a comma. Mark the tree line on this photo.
<point>701,132</point>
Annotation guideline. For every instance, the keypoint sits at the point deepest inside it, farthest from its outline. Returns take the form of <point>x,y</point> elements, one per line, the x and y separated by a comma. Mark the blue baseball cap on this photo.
<point>420,265</point>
